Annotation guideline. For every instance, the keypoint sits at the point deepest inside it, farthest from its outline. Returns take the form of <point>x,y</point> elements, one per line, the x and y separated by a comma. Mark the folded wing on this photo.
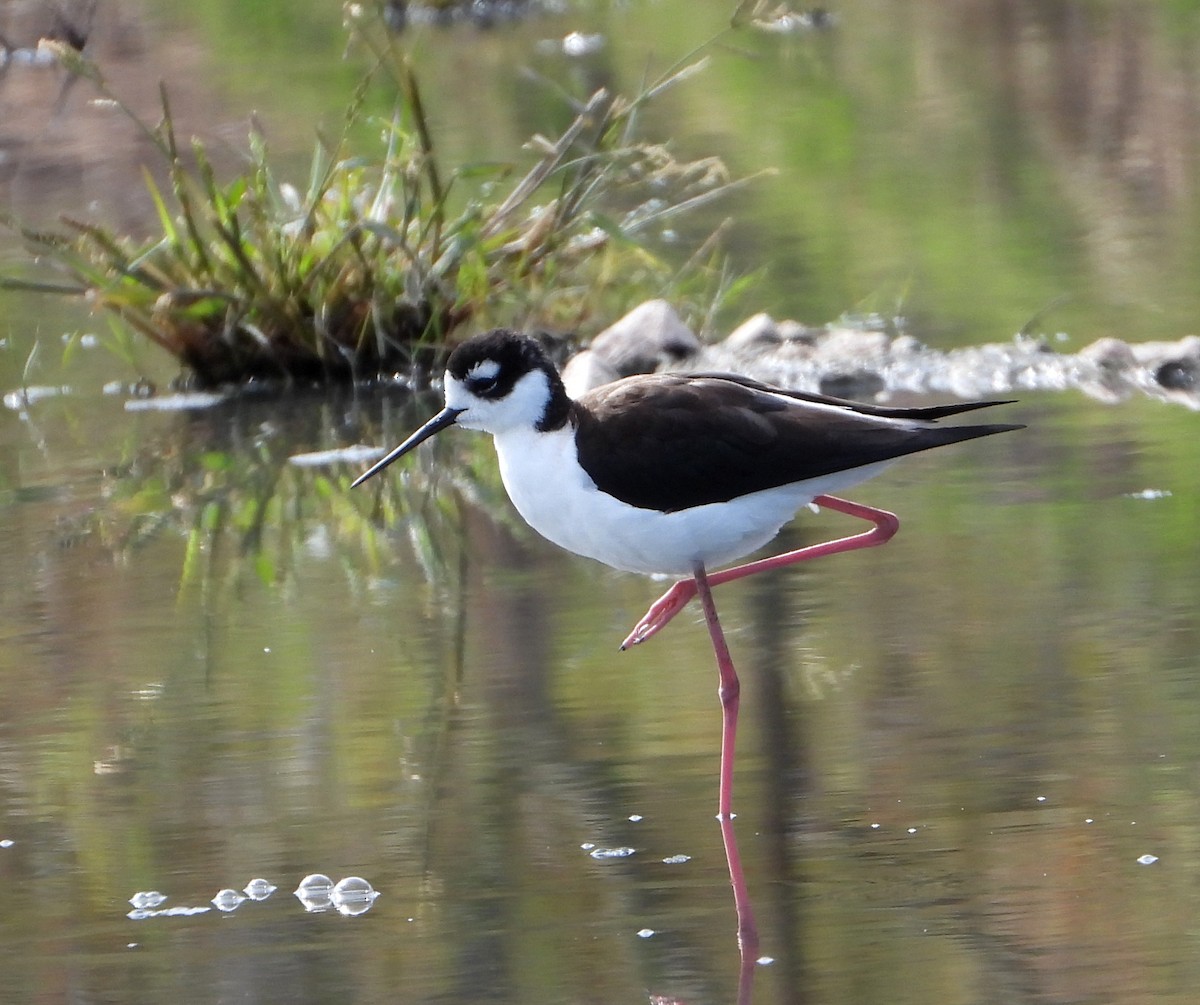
<point>668,442</point>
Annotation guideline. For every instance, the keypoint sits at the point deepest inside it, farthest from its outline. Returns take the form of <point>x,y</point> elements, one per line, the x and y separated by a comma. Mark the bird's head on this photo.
<point>499,381</point>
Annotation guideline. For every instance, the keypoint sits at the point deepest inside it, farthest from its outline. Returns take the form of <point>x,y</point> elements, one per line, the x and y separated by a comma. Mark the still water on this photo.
<point>957,751</point>
<point>968,760</point>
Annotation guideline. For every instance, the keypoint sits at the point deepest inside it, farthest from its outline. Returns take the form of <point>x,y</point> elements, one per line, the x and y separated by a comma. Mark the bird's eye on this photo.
<point>482,386</point>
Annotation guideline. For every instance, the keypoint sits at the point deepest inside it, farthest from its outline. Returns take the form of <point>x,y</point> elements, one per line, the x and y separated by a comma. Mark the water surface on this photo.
<point>955,748</point>
<point>968,760</point>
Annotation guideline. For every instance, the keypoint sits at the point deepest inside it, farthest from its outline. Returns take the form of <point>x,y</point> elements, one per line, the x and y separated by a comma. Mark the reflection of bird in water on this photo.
<point>671,473</point>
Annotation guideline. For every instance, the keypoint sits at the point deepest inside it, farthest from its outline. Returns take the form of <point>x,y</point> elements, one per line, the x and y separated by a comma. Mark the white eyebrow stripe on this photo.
<point>485,369</point>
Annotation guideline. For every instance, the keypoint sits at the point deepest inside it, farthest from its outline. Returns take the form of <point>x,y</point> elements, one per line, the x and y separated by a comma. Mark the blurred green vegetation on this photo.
<point>937,163</point>
<point>933,162</point>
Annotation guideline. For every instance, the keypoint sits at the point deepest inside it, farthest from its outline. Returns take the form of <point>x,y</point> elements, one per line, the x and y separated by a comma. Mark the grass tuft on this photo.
<point>374,265</point>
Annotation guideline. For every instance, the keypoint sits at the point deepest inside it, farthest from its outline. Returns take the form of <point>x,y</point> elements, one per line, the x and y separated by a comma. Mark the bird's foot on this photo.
<point>661,612</point>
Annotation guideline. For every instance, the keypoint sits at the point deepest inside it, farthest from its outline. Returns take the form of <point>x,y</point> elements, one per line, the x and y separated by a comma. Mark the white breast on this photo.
<point>558,499</point>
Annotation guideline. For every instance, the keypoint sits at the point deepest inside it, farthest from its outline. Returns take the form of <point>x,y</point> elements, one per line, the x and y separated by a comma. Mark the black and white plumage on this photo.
<point>657,473</point>
<point>716,437</point>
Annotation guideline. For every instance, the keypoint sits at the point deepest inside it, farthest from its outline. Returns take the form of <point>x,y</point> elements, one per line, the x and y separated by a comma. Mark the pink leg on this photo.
<point>678,596</point>
<point>728,691</point>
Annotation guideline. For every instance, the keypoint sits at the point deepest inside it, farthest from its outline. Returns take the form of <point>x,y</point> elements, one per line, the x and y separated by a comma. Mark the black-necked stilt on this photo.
<point>674,473</point>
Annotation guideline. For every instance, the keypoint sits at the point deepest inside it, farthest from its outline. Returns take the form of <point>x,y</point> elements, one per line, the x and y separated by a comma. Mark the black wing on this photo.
<point>670,442</point>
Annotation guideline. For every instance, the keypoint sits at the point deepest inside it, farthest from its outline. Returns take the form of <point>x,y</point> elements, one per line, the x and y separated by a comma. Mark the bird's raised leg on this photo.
<point>728,691</point>
<point>677,597</point>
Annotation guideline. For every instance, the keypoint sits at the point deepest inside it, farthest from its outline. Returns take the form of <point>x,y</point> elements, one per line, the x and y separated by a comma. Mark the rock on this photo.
<point>1173,366</point>
<point>861,363</point>
<point>1110,354</point>
<point>852,343</point>
<point>1181,369</point>
<point>757,332</point>
<point>906,345</point>
<point>1107,369</point>
<point>1178,367</point>
<point>762,332</point>
<point>650,335</point>
<point>586,370</point>
<point>854,384</point>
<point>1179,374</point>
<point>1154,354</point>
<point>796,333</point>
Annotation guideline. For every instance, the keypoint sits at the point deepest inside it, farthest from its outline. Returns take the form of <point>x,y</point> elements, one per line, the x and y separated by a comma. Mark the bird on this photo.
<point>677,473</point>
<point>657,473</point>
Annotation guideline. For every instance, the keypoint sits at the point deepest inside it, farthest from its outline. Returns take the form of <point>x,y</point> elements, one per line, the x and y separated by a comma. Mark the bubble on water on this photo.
<point>635,818</point>
<point>259,889</point>
<point>676,859</point>
<point>315,892</point>
<point>765,961</point>
<point>353,895</point>
<point>588,845</point>
<point>147,899</point>
<point>315,883</point>
<point>1147,859</point>
<point>7,843</point>
<point>645,933</point>
<point>354,888</point>
<point>606,853</point>
<point>228,900</point>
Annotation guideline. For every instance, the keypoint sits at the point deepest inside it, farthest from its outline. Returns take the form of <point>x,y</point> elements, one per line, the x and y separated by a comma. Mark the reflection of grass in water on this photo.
<point>223,481</point>
<point>371,262</point>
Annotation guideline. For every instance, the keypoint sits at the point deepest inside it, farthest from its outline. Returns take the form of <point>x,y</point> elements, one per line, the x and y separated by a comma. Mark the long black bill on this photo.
<point>446,417</point>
